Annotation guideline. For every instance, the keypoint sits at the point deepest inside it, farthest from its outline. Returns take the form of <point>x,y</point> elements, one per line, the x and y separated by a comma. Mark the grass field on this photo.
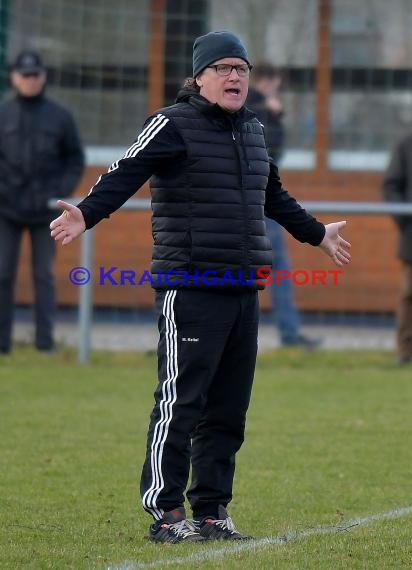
<point>328,441</point>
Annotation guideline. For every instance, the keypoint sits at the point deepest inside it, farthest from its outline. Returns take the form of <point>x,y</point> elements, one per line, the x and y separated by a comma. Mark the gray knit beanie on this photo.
<point>214,46</point>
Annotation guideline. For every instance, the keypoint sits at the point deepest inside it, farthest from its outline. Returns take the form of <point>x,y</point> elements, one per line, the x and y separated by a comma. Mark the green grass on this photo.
<point>328,440</point>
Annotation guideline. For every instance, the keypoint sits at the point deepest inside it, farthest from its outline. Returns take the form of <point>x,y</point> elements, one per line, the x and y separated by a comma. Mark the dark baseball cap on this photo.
<point>28,62</point>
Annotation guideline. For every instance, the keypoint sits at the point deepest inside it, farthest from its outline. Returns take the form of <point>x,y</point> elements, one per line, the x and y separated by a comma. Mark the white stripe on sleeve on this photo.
<point>147,134</point>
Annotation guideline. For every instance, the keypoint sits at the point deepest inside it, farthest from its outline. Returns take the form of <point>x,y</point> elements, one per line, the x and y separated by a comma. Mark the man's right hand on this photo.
<point>69,225</point>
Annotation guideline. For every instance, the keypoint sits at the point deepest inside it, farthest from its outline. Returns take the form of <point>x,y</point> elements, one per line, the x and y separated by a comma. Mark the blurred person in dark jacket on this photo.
<point>397,187</point>
<point>40,157</point>
<point>263,99</point>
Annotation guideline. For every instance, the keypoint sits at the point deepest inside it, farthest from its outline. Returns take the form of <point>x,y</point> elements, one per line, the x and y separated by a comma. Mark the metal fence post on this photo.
<point>86,299</point>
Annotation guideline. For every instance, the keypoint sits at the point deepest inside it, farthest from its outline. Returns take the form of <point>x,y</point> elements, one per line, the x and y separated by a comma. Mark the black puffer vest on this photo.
<point>208,215</point>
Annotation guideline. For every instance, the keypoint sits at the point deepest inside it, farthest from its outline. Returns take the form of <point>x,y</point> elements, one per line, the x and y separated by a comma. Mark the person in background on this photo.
<point>263,99</point>
<point>397,187</point>
<point>211,182</point>
<point>40,157</point>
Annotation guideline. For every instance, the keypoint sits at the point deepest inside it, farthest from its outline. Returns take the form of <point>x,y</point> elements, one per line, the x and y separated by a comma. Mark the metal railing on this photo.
<point>86,291</point>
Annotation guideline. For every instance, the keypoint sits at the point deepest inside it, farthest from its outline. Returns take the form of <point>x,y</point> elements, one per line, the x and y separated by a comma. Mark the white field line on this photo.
<point>262,543</point>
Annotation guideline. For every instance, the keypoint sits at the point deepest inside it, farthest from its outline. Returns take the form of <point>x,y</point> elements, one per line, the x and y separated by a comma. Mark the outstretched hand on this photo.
<point>334,245</point>
<point>69,225</point>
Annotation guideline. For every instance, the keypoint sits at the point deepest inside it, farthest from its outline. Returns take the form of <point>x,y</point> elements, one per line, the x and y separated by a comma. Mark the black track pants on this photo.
<point>206,362</point>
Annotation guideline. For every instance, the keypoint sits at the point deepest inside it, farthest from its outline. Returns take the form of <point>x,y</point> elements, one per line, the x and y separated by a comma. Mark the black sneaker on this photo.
<point>222,528</point>
<point>174,527</point>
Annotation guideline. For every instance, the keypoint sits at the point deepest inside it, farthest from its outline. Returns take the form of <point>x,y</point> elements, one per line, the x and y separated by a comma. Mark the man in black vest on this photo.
<point>211,185</point>
<point>40,157</point>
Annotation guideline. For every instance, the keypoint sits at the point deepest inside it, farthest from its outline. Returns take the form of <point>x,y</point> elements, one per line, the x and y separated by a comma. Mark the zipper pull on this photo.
<point>233,136</point>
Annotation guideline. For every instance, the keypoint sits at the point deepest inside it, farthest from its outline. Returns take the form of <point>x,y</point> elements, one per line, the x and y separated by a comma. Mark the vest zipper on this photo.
<point>244,201</point>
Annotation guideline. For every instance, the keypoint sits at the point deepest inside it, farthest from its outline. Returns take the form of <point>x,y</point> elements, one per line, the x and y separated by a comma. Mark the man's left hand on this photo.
<point>334,245</point>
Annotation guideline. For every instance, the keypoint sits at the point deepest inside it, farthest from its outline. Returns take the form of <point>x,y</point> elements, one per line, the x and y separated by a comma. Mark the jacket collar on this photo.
<point>213,110</point>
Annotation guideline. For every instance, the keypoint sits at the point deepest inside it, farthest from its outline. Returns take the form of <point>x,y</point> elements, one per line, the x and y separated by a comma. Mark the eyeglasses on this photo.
<point>224,69</point>
<point>31,74</point>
